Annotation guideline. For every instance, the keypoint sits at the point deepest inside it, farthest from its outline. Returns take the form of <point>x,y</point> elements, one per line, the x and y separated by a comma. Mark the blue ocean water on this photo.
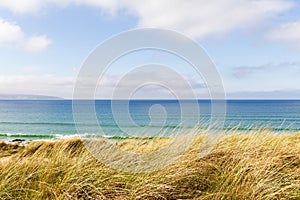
<point>37,119</point>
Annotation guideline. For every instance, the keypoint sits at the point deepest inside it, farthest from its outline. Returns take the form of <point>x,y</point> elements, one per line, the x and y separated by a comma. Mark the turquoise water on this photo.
<point>53,119</point>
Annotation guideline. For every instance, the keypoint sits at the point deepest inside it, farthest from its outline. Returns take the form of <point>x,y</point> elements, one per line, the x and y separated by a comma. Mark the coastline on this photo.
<point>58,136</point>
<point>22,140</point>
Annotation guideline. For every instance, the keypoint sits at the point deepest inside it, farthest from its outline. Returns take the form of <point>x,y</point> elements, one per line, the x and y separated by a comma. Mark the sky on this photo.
<point>255,44</point>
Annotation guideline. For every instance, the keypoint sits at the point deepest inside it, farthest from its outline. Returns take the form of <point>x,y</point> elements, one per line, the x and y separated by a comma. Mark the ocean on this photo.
<point>47,119</point>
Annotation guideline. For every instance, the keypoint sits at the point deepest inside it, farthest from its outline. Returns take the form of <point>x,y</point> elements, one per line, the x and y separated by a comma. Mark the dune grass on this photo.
<point>253,165</point>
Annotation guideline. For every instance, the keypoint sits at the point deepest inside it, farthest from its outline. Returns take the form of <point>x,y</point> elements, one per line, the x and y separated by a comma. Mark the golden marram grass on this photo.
<point>253,165</point>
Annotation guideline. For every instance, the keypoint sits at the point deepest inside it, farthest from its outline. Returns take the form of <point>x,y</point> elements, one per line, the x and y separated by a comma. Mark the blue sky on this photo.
<point>254,43</point>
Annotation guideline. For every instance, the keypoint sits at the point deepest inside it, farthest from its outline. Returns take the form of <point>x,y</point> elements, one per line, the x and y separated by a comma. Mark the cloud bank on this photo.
<point>62,86</point>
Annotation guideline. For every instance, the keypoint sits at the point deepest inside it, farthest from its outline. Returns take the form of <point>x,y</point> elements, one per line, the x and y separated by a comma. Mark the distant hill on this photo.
<point>27,97</point>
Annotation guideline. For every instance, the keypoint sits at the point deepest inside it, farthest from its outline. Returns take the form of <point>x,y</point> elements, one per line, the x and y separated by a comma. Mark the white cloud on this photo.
<point>38,43</point>
<point>110,6</point>
<point>200,19</point>
<point>12,34</point>
<point>34,6</point>
<point>24,6</point>
<point>289,32</point>
<point>197,18</point>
